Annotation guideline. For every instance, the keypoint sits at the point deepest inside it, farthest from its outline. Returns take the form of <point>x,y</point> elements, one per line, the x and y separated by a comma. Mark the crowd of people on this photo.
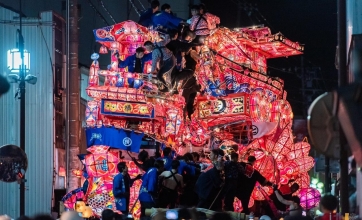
<point>192,180</point>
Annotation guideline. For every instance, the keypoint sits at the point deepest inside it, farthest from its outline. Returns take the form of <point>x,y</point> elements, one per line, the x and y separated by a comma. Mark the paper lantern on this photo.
<point>300,149</point>
<point>79,206</point>
<point>258,194</point>
<point>259,106</point>
<point>238,206</point>
<point>302,180</point>
<point>103,50</point>
<point>87,213</point>
<point>280,144</point>
<point>101,163</point>
<point>304,164</point>
<point>309,198</point>
<point>267,167</point>
<point>72,197</point>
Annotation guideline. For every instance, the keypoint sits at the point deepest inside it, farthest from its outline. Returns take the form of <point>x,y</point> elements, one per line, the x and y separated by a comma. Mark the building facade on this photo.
<point>354,28</point>
<point>43,38</point>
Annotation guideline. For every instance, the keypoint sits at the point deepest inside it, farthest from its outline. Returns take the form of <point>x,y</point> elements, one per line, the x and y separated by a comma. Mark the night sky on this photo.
<point>310,22</point>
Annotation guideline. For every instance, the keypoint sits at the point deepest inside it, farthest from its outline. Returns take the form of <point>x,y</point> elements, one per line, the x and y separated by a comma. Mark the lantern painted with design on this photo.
<point>173,121</point>
<point>309,198</point>
<point>298,150</point>
<point>259,106</point>
<point>101,162</point>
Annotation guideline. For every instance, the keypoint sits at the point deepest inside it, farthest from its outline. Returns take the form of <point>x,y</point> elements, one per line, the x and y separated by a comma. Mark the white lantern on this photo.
<point>14,60</point>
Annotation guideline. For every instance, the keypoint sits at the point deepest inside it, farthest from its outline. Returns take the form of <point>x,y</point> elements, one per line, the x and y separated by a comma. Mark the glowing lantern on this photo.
<point>258,194</point>
<point>304,164</point>
<point>103,50</point>
<point>267,168</point>
<point>238,207</point>
<point>259,106</point>
<point>309,198</point>
<point>71,198</point>
<point>303,180</point>
<point>300,149</point>
<point>101,162</point>
<point>280,144</point>
<point>114,45</point>
<point>87,212</point>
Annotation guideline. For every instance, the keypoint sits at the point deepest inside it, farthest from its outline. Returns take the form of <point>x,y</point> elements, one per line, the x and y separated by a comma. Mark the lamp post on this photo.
<point>19,63</point>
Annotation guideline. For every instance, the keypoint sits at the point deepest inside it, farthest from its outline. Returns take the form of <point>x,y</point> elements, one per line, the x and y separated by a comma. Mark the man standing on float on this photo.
<point>164,59</point>
<point>247,182</point>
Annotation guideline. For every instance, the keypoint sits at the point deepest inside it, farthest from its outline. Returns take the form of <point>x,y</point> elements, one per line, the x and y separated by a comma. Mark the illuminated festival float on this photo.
<point>239,104</point>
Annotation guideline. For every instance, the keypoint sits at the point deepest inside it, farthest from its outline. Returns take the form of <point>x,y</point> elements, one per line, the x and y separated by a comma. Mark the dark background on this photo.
<point>310,22</point>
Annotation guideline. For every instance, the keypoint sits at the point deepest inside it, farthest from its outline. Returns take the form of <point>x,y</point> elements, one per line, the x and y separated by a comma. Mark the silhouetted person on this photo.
<point>247,183</point>
<point>146,17</point>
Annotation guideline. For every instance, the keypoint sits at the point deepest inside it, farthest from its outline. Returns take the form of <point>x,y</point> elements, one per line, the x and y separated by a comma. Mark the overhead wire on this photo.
<point>104,7</point>
<point>98,13</point>
<point>141,5</point>
<point>92,44</point>
<point>134,7</point>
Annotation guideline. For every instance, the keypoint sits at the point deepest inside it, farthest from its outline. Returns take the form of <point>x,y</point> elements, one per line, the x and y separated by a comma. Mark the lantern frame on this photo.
<point>15,62</point>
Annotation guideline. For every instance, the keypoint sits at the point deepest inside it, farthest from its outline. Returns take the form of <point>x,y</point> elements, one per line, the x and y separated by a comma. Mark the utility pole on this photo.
<point>22,107</point>
<point>73,95</point>
<point>342,81</point>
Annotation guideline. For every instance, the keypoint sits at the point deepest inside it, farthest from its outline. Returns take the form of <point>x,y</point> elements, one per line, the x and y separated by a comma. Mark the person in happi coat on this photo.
<point>122,183</point>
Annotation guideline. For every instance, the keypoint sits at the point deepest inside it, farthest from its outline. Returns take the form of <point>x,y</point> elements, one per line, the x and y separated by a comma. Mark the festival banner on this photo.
<point>236,104</point>
<point>127,109</point>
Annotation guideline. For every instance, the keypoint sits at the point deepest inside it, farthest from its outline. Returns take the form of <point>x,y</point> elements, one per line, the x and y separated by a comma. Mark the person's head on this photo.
<point>235,147</point>
<point>108,214</point>
<point>24,217</point>
<point>4,85</point>
<point>159,164</point>
<point>234,156</point>
<point>188,35</point>
<point>166,7</point>
<point>122,167</point>
<point>175,164</point>
<point>140,52</point>
<point>195,9</point>
<point>149,46</point>
<point>264,217</point>
<point>215,153</point>
<point>221,215</point>
<point>155,4</point>
<point>167,151</point>
<point>328,203</point>
<point>296,201</point>
<point>251,160</point>
<point>202,7</point>
<point>173,34</point>
<point>143,156</point>
<point>188,157</point>
<point>70,215</point>
<point>195,156</point>
<point>157,154</point>
<point>43,217</point>
<point>294,187</point>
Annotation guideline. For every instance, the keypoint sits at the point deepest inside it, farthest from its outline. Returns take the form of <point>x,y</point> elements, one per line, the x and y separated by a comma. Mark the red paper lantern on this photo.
<point>309,198</point>
<point>300,149</point>
<point>304,164</point>
<point>259,106</point>
<point>103,50</point>
<point>258,195</point>
<point>238,207</point>
<point>303,180</point>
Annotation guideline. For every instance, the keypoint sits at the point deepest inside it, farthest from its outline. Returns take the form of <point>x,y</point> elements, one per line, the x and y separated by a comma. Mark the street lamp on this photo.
<point>19,66</point>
